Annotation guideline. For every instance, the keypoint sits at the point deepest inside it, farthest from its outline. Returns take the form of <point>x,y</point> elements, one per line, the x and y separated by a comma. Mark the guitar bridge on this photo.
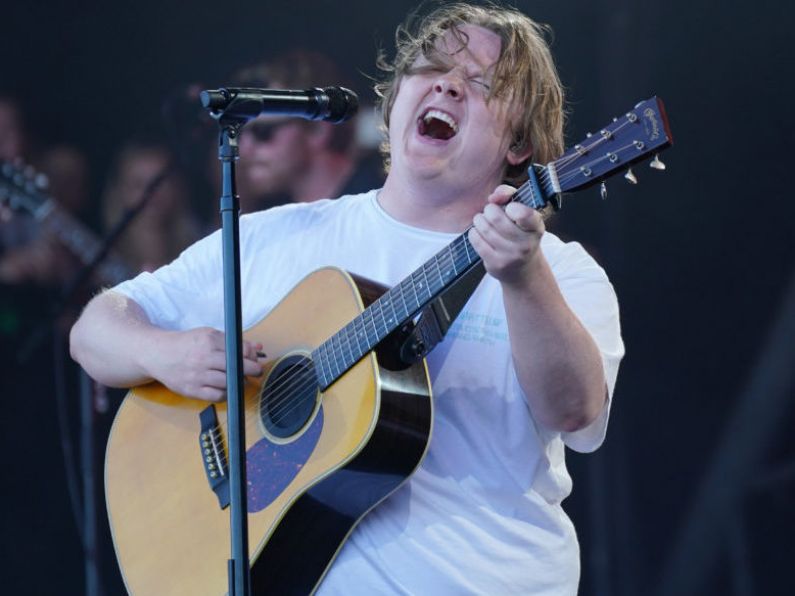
<point>213,454</point>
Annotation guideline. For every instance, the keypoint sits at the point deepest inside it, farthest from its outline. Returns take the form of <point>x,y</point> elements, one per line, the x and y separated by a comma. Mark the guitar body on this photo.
<point>360,440</point>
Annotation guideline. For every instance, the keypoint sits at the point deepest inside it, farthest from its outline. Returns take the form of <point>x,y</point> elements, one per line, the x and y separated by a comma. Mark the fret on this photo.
<point>319,355</point>
<point>427,287</point>
<point>328,365</point>
<point>431,285</point>
<point>402,290</point>
<point>367,316</point>
<point>466,258</point>
<point>395,316</point>
<point>354,341</point>
<point>325,366</point>
<point>412,279</point>
<point>392,297</point>
<point>361,334</point>
<point>443,264</point>
<point>452,261</point>
<point>466,250</point>
<point>450,268</point>
<point>389,316</point>
<point>438,271</point>
<point>335,356</point>
<point>379,309</point>
<point>345,340</point>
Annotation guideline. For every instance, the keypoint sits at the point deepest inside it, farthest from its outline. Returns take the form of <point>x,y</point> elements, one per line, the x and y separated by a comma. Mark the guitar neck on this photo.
<point>404,301</point>
<point>24,190</point>
<point>394,308</point>
<point>82,243</point>
<point>623,142</point>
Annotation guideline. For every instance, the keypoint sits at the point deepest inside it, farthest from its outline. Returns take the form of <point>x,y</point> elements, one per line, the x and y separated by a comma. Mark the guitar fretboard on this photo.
<point>83,243</point>
<point>617,146</point>
<point>403,302</point>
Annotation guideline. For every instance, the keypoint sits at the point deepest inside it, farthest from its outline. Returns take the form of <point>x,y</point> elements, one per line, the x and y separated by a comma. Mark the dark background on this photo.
<point>692,492</point>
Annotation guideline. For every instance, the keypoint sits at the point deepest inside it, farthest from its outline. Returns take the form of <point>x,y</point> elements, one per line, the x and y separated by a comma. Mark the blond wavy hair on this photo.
<point>525,74</point>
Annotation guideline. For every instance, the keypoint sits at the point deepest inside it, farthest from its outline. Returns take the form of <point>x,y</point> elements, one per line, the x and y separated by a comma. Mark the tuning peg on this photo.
<point>630,176</point>
<point>603,190</point>
<point>656,163</point>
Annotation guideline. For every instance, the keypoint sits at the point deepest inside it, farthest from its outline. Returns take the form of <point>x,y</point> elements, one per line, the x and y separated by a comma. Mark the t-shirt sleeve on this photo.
<point>590,295</point>
<point>195,278</point>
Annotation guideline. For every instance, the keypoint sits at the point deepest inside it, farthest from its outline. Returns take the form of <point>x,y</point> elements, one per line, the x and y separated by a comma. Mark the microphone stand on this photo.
<point>233,108</point>
<point>238,566</point>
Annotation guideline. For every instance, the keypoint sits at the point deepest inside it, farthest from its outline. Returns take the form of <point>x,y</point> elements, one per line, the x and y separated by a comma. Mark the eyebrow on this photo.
<point>437,57</point>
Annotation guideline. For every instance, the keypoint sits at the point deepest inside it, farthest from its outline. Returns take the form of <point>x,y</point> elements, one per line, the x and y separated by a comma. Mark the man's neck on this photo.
<point>325,179</point>
<point>430,205</point>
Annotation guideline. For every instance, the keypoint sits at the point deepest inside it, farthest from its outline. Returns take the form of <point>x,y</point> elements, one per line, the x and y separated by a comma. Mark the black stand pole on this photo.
<point>233,108</point>
<point>239,571</point>
<point>87,436</point>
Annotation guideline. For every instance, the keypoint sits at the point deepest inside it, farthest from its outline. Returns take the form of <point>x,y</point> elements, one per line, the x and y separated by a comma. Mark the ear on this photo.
<point>518,152</point>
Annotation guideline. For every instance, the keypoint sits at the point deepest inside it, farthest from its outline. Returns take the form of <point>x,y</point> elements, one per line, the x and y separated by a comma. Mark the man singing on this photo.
<point>529,367</point>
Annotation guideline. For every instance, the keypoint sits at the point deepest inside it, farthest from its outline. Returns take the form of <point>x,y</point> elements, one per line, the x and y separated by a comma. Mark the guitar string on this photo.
<point>285,400</point>
<point>308,379</point>
<point>283,394</point>
<point>446,258</point>
<point>574,156</point>
<point>565,161</point>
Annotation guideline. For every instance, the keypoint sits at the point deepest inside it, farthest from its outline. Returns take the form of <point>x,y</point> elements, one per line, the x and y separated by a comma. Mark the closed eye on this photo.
<point>481,84</point>
<point>427,69</point>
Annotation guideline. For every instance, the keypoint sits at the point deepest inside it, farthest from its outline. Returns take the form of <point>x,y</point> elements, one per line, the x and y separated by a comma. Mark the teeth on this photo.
<point>446,118</point>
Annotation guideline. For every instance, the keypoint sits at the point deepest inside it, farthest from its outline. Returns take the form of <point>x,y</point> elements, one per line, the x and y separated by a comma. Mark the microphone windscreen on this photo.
<point>343,104</point>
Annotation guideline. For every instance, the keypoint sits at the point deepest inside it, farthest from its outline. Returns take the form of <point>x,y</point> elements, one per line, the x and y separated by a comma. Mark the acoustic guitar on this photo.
<point>23,189</point>
<point>334,426</point>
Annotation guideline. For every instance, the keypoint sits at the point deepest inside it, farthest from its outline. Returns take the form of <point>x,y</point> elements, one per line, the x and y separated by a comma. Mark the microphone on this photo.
<point>334,104</point>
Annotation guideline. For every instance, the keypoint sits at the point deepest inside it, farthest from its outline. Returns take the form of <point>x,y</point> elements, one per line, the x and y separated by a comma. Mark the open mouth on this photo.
<point>436,124</point>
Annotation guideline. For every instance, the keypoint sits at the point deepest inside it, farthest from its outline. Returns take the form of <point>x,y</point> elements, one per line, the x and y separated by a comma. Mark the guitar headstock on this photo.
<point>635,136</point>
<point>24,189</point>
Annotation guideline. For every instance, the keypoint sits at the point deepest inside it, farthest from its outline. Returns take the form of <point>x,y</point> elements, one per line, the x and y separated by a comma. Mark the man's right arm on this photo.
<point>116,344</point>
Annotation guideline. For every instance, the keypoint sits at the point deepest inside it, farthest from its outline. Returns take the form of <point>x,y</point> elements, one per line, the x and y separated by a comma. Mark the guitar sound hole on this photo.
<point>289,396</point>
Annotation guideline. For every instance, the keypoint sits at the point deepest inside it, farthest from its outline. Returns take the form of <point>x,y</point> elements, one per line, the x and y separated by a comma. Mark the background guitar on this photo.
<point>24,189</point>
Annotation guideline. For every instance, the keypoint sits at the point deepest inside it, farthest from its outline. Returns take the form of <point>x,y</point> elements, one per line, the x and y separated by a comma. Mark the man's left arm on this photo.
<point>557,362</point>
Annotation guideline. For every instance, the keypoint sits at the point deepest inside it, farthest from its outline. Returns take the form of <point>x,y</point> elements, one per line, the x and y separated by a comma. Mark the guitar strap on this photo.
<point>437,318</point>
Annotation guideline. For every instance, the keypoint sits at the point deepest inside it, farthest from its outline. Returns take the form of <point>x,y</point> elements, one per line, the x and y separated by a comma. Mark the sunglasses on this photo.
<point>263,132</point>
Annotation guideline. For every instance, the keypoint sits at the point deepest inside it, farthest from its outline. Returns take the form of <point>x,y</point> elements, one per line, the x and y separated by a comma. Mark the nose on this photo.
<point>449,84</point>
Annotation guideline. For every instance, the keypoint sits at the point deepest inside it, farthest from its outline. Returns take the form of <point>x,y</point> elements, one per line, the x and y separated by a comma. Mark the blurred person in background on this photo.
<point>167,223</point>
<point>30,253</point>
<point>290,160</point>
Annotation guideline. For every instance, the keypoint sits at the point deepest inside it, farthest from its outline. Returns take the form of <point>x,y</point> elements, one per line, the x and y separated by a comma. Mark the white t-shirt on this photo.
<point>482,514</point>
